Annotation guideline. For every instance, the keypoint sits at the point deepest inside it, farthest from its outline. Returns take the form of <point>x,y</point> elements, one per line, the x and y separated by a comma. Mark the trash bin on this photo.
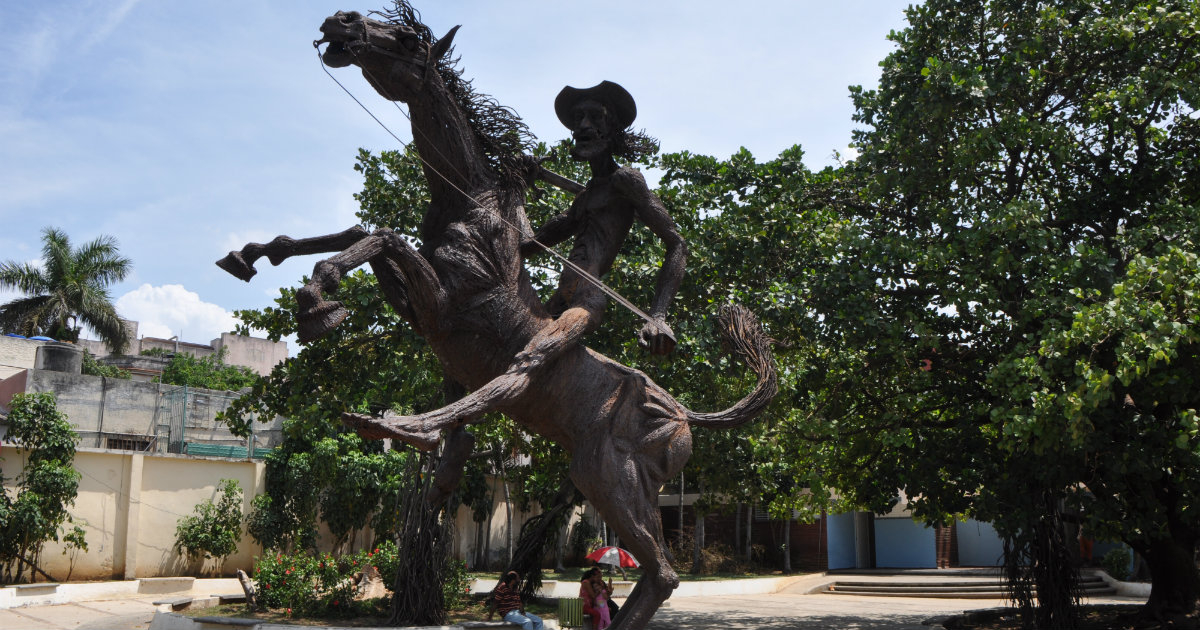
<point>570,612</point>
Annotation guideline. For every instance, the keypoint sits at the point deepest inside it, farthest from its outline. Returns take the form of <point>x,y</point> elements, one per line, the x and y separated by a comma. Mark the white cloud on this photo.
<point>170,309</point>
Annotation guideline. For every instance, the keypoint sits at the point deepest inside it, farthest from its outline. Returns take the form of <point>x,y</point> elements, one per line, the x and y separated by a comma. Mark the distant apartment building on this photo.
<point>139,414</point>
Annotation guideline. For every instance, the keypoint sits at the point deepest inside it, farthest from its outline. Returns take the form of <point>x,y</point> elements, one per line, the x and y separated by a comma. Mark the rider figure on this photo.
<point>600,218</point>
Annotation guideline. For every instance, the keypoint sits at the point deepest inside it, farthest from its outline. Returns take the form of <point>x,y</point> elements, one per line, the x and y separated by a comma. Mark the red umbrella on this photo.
<point>615,556</point>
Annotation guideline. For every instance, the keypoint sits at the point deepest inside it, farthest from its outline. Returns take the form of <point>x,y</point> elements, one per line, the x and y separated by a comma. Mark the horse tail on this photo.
<point>743,335</point>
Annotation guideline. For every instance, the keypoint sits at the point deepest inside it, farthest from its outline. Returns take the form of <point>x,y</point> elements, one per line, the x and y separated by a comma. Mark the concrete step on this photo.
<point>949,588</point>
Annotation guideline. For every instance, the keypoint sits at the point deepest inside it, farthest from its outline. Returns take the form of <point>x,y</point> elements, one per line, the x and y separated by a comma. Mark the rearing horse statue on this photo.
<point>466,291</point>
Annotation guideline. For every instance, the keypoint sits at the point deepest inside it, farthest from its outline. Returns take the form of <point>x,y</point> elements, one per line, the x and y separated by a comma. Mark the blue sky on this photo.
<point>185,129</point>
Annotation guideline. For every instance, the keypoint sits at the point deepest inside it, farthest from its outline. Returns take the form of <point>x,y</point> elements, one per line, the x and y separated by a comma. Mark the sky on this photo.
<point>187,129</point>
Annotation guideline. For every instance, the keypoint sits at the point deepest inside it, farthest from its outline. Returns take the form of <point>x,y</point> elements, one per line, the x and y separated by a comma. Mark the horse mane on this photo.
<point>504,138</point>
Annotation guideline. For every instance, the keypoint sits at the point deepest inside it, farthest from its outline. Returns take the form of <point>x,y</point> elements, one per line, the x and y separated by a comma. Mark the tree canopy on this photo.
<point>1010,276</point>
<point>69,288</point>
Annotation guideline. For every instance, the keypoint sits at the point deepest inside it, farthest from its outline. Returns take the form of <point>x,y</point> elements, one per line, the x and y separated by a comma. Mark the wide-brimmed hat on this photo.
<point>618,101</point>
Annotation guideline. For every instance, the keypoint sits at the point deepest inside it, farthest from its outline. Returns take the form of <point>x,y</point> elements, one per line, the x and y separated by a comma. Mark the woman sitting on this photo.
<point>595,595</point>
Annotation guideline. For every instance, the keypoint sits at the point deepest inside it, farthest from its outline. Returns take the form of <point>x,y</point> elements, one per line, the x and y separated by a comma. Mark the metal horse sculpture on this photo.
<point>466,291</point>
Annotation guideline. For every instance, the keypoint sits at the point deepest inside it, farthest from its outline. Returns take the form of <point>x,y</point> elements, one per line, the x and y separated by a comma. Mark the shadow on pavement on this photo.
<point>672,620</point>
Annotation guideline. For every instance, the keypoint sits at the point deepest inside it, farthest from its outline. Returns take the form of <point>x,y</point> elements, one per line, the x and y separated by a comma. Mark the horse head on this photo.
<point>395,56</point>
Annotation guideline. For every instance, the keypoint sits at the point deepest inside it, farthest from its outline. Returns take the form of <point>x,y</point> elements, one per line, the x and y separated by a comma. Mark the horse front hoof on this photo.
<point>237,266</point>
<point>314,322</point>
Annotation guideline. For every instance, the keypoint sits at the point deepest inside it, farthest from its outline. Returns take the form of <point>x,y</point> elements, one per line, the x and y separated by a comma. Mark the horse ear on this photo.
<point>443,45</point>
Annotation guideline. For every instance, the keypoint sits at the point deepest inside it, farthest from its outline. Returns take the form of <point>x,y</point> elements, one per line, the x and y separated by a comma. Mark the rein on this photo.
<point>599,284</point>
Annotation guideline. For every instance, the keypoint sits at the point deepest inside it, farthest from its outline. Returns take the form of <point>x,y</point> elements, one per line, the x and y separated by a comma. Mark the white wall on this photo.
<point>129,505</point>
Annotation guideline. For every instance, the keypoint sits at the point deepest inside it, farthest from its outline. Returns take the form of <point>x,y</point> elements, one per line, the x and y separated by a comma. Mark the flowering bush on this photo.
<point>322,584</point>
<point>457,587</point>
<point>286,581</point>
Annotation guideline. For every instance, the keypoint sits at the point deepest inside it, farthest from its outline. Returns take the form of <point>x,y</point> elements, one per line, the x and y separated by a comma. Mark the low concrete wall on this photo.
<point>98,406</point>
<point>50,594</point>
<point>1125,589</point>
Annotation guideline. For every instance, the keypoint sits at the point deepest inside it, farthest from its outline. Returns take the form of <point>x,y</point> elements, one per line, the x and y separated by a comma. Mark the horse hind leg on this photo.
<point>632,513</point>
<point>240,263</point>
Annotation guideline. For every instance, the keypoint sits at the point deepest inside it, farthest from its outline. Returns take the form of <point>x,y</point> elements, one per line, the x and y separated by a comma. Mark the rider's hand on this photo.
<point>657,337</point>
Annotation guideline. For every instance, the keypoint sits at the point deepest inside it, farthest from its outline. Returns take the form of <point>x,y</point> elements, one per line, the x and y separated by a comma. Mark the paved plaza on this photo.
<point>792,608</point>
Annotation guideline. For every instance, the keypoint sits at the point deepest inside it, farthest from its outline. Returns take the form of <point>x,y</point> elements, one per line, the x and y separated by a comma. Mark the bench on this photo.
<point>173,603</point>
<point>230,598</point>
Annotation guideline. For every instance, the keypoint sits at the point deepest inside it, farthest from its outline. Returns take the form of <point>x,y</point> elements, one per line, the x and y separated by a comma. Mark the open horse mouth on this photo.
<point>337,55</point>
<point>346,34</point>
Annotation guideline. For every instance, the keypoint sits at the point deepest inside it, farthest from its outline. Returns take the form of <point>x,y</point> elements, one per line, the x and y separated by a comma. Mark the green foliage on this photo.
<point>751,241</point>
<point>583,540</point>
<point>340,479</point>
<point>156,352</point>
<point>68,288</point>
<point>210,372</point>
<point>1007,283</point>
<point>456,589</point>
<point>323,585</point>
<point>46,487</point>
<point>92,367</point>
<point>1116,563</point>
<point>215,529</point>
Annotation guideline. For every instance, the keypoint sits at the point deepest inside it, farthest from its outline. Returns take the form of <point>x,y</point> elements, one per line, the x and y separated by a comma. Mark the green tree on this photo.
<point>45,489</point>
<point>215,528</point>
<point>210,372</point>
<point>92,367</point>
<point>68,288</point>
<point>1026,170</point>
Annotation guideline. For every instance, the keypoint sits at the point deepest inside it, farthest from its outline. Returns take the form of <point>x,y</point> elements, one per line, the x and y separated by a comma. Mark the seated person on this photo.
<point>596,596</point>
<point>507,599</point>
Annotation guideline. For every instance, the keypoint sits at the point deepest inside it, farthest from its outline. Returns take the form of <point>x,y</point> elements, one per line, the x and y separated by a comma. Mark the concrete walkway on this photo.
<point>792,607</point>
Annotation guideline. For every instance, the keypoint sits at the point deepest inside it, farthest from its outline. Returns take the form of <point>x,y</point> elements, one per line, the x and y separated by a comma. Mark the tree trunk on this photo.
<point>560,547</point>
<point>681,505</point>
<point>749,528</point>
<point>787,545</point>
<point>487,533</point>
<point>737,530</point>
<point>698,567</point>
<point>508,530</point>
<point>1175,585</point>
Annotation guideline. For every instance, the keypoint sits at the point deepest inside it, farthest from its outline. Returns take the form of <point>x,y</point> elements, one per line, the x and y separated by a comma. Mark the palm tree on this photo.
<point>69,288</point>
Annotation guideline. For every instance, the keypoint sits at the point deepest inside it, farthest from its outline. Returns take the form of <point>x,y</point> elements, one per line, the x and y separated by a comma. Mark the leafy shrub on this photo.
<point>92,367</point>
<point>457,587</point>
<point>386,560</point>
<point>583,539</point>
<point>209,372</point>
<point>35,511</point>
<point>308,584</point>
<point>215,529</point>
<point>1116,563</point>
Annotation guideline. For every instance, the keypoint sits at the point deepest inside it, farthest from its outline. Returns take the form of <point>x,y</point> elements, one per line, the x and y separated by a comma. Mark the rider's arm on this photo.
<point>650,210</point>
